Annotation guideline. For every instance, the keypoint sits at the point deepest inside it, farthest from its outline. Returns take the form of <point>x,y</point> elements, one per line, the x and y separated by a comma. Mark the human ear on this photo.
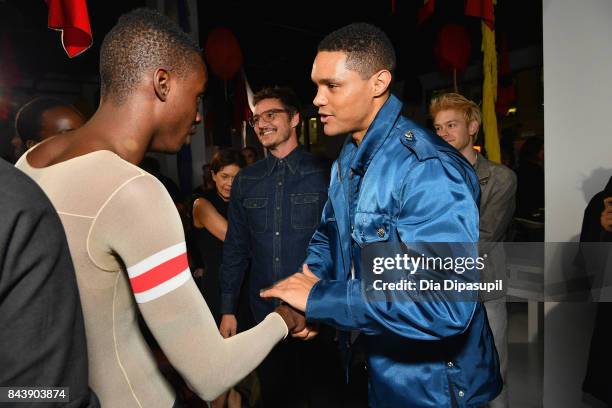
<point>381,81</point>
<point>295,119</point>
<point>161,83</point>
<point>473,128</point>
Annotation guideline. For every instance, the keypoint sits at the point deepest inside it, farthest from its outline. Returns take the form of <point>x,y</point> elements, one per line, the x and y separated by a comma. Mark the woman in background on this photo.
<point>210,222</point>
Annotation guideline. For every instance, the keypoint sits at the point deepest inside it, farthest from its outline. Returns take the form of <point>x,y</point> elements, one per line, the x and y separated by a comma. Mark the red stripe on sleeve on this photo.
<point>160,274</point>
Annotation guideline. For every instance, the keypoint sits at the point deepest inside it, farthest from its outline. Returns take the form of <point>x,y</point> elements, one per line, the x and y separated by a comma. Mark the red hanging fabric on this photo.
<point>72,19</point>
<point>425,11</point>
<point>482,9</point>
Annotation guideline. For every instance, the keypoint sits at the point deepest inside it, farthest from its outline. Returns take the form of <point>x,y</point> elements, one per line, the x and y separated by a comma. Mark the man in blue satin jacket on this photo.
<point>393,182</point>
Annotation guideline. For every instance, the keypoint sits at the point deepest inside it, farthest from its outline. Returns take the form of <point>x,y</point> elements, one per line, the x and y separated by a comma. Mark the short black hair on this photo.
<point>367,48</point>
<point>287,97</point>
<point>225,157</point>
<point>142,39</point>
<point>28,120</point>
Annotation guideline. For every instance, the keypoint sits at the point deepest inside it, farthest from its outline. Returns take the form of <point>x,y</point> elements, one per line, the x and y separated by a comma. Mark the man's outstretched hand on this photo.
<point>294,289</point>
<point>295,321</point>
<point>309,332</point>
<point>228,326</point>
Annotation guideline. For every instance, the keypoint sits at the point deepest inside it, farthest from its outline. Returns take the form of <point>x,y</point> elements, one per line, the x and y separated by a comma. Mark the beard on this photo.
<point>278,139</point>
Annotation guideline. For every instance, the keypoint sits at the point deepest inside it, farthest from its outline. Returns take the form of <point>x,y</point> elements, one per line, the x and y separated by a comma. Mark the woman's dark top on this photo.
<point>210,251</point>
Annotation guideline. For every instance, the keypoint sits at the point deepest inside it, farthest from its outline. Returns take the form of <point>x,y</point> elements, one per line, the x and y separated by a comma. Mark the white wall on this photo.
<point>578,163</point>
<point>577,109</point>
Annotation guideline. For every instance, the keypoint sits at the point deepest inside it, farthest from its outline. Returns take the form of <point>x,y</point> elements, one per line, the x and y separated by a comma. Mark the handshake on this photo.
<point>293,318</point>
<point>293,291</point>
<point>296,322</point>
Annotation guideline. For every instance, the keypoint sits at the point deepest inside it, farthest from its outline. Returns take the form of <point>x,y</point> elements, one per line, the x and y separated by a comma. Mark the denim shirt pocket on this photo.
<point>371,227</point>
<point>305,210</point>
<point>257,214</point>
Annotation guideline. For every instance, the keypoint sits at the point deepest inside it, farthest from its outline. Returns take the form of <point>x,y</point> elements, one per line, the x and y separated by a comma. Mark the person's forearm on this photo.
<point>343,305</point>
<point>193,345</point>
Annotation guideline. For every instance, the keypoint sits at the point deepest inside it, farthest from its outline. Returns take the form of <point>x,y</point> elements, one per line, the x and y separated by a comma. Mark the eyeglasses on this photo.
<point>267,116</point>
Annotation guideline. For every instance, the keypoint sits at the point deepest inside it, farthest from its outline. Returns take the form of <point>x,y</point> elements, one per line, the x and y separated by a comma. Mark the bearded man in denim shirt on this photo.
<point>396,183</point>
<point>274,209</point>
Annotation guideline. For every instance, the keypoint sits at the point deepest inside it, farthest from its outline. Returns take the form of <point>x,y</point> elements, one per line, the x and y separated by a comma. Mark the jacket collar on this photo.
<point>292,160</point>
<point>376,134</point>
<point>482,167</point>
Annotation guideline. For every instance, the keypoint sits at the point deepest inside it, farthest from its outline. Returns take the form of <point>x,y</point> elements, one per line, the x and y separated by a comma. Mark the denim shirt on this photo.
<point>274,209</point>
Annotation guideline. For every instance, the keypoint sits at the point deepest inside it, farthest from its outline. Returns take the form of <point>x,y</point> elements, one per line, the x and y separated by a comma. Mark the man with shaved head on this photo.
<point>124,233</point>
<point>396,183</point>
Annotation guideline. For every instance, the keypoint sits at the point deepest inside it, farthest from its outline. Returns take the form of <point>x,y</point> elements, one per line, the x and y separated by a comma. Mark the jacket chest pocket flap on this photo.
<point>371,227</point>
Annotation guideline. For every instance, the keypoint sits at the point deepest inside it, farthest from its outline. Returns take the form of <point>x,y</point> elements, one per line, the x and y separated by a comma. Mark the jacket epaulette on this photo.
<point>416,139</point>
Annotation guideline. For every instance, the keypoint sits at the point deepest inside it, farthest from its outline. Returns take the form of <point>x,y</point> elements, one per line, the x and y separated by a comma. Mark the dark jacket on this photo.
<point>42,335</point>
<point>597,378</point>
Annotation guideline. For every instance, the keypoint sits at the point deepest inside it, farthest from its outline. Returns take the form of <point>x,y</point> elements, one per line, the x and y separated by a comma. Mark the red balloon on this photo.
<point>453,48</point>
<point>222,53</point>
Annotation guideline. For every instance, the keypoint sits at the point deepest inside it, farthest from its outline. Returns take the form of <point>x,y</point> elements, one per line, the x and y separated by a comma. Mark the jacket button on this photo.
<point>409,135</point>
<point>450,364</point>
<point>380,232</point>
<point>461,393</point>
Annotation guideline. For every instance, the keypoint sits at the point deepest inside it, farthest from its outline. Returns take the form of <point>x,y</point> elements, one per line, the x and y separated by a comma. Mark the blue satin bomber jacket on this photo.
<point>416,188</point>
